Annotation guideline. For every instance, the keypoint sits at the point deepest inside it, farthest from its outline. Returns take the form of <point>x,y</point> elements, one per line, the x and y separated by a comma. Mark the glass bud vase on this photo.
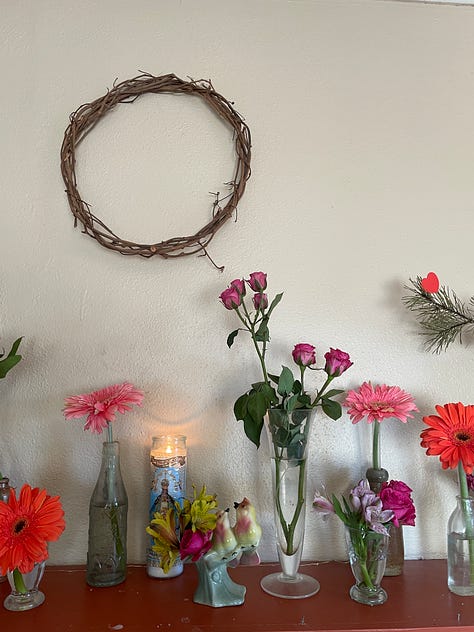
<point>25,594</point>
<point>461,548</point>
<point>107,547</point>
<point>367,555</point>
<point>287,434</point>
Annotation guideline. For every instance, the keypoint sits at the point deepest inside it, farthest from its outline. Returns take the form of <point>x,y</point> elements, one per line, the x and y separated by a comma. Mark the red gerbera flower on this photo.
<point>26,525</point>
<point>102,406</point>
<point>451,436</point>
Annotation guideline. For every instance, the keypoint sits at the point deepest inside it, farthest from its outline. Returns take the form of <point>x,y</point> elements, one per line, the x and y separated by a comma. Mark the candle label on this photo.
<point>168,485</point>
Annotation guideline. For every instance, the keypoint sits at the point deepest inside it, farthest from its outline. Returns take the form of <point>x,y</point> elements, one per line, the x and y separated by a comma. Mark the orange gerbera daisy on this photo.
<point>27,524</point>
<point>451,436</point>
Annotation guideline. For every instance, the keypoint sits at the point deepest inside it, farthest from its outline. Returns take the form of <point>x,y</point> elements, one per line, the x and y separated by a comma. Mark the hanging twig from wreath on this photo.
<point>83,120</point>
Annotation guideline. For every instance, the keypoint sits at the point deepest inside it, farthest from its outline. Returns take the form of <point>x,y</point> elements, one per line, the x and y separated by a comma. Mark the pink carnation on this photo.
<point>378,403</point>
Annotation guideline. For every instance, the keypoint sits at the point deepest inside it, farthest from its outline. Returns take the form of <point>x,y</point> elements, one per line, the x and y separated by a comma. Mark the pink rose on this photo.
<point>396,495</point>
<point>194,544</point>
<point>337,362</point>
<point>239,285</point>
<point>260,301</point>
<point>303,354</point>
<point>231,298</point>
<point>258,281</point>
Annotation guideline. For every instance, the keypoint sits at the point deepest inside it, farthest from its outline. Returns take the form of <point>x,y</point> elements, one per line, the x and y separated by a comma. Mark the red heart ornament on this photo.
<point>430,283</point>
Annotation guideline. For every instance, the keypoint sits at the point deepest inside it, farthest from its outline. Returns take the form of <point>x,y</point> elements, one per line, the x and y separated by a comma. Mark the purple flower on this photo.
<point>231,298</point>
<point>322,504</point>
<point>375,516</point>
<point>304,354</point>
<point>260,301</point>
<point>257,281</point>
<point>362,496</point>
<point>195,544</point>
<point>337,362</point>
<point>396,495</point>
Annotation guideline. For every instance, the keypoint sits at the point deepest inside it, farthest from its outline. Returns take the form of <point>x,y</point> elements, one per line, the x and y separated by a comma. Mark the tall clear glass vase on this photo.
<point>288,434</point>
<point>107,548</point>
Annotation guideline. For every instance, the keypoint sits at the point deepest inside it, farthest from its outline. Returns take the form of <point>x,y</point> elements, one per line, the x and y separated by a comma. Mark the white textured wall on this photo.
<point>363,153</point>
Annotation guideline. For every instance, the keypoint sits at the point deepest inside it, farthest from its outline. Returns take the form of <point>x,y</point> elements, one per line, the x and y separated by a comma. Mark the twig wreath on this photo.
<point>83,121</point>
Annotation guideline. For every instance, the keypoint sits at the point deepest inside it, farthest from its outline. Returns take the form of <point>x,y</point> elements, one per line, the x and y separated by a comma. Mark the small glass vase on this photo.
<point>367,555</point>
<point>107,547</point>
<point>25,594</point>
<point>287,434</point>
<point>461,548</point>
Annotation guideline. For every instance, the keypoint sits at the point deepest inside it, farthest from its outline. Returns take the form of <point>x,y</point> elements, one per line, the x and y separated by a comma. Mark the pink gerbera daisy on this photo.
<point>379,402</point>
<point>102,406</point>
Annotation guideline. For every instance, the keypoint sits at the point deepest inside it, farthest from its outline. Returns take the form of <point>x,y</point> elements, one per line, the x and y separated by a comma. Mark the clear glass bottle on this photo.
<point>168,456</point>
<point>107,548</point>
<point>461,548</point>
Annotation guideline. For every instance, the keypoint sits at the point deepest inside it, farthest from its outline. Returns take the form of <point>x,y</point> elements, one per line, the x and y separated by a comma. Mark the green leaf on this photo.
<point>240,407</point>
<point>253,430</point>
<point>291,403</point>
<point>274,378</point>
<point>11,360</point>
<point>263,334</point>
<point>296,387</point>
<point>285,382</point>
<point>338,509</point>
<point>231,337</point>
<point>257,406</point>
<point>273,304</point>
<point>331,408</point>
<point>304,400</point>
<point>333,392</point>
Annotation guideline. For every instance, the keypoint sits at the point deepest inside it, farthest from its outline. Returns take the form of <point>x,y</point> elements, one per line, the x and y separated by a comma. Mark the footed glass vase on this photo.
<point>107,547</point>
<point>287,434</point>
<point>25,594</point>
<point>461,548</point>
<point>367,555</point>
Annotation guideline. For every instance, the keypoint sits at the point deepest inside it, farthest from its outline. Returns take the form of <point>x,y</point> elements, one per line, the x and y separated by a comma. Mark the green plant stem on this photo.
<point>328,381</point>
<point>289,528</point>
<point>19,582</point>
<point>250,326</point>
<point>376,446</point>
<point>468,517</point>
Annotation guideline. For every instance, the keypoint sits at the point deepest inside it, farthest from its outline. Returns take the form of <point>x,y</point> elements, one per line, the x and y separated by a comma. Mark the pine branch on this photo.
<point>442,315</point>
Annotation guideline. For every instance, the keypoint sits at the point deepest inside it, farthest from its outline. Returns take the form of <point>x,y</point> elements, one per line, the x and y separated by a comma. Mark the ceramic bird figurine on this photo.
<point>247,532</point>
<point>223,538</point>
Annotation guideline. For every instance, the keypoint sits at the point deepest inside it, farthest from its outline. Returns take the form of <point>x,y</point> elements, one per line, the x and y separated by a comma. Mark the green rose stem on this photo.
<point>467,511</point>
<point>19,582</point>
<point>110,501</point>
<point>250,326</point>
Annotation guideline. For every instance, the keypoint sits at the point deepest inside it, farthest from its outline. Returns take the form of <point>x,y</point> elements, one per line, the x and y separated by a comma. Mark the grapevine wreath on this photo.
<point>83,121</point>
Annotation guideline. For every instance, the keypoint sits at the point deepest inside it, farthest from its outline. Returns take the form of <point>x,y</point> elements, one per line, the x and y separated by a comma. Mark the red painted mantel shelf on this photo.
<point>418,600</point>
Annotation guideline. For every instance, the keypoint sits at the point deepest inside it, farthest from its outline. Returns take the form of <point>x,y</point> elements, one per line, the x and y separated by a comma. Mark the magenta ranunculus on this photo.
<point>194,544</point>
<point>304,354</point>
<point>396,495</point>
<point>257,281</point>
<point>260,301</point>
<point>231,298</point>
<point>337,362</point>
<point>239,285</point>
